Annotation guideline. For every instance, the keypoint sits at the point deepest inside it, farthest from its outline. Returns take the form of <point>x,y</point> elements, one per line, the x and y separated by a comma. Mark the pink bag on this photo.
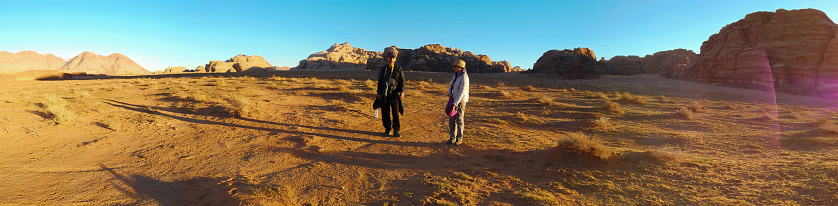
<point>449,108</point>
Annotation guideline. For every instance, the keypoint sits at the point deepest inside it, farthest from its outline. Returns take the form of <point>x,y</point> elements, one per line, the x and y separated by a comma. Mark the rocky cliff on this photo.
<point>97,64</point>
<point>671,63</point>
<point>795,48</point>
<point>28,60</point>
<point>431,57</point>
<point>578,63</point>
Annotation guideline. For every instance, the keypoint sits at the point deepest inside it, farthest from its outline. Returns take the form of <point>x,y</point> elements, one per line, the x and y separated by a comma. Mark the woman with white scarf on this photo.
<point>458,94</point>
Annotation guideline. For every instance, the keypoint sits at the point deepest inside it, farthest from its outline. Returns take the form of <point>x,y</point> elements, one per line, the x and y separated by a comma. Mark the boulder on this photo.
<point>786,48</point>
<point>218,66</point>
<point>200,69</point>
<point>578,63</point>
<point>28,60</point>
<point>97,64</point>
<point>175,70</point>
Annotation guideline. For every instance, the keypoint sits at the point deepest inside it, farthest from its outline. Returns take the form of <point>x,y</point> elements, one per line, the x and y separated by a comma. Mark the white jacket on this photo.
<point>459,89</point>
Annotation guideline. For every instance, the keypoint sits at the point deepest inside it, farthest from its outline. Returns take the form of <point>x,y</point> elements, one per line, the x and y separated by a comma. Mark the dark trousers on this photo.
<point>391,105</point>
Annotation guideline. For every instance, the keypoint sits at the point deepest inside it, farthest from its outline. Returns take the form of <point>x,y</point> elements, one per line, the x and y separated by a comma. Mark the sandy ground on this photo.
<point>306,137</point>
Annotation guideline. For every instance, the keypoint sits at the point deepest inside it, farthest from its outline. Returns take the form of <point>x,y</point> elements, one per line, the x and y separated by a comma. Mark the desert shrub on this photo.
<point>603,123</point>
<point>57,110</point>
<point>528,88</point>
<point>613,106</point>
<point>357,92</point>
<point>484,87</point>
<point>686,113</point>
<point>584,145</point>
<point>501,84</point>
<point>240,106</point>
<point>343,88</point>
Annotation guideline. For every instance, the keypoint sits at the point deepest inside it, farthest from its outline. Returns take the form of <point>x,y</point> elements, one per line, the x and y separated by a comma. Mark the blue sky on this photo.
<point>159,34</point>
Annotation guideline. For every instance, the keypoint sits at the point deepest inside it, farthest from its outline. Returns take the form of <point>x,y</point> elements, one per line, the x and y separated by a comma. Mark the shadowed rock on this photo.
<point>579,63</point>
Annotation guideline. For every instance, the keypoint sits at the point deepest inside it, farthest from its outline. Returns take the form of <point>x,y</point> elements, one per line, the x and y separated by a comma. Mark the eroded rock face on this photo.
<point>28,60</point>
<point>238,63</point>
<point>671,63</point>
<point>339,56</point>
<point>767,49</point>
<point>579,63</point>
<point>431,57</point>
<point>97,64</point>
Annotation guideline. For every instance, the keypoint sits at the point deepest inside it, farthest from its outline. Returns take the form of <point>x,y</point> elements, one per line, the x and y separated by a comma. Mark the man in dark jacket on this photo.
<point>391,91</point>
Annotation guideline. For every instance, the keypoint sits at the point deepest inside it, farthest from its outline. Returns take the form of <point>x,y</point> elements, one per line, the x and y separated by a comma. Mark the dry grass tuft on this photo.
<point>686,113</point>
<point>671,154</point>
<point>422,85</point>
<point>343,88</point>
<point>500,84</point>
<point>547,101</point>
<point>509,94</point>
<point>629,98</point>
<point>240,106</point>
<point>370,84</point>
<point>528,88</point>
<point>585,145</point>
<point>344,82</point>
<point>56,107</point>
<point>603,123</point>
<point>484,87</point>
<point>284,195</point>
<point>696,106</point>
<point>613,106</point>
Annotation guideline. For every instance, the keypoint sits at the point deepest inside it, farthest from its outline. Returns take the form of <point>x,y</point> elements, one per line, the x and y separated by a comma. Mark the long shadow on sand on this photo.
<point>145,109</point>
<point>197,191</point>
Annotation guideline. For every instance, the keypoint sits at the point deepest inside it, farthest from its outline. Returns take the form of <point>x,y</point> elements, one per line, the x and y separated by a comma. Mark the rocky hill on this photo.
<point>578,63</point>
<point>28,60</point>
<point>797,48</point>
<point>671,63</point>
<point>431,57</point>
<point>97,64</point>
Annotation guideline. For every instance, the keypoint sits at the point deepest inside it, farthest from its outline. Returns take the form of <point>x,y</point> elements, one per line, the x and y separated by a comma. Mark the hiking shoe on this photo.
<point>387,132</point>
<point>396,134</point>
<point>459,142</point>
<point>450,141</point>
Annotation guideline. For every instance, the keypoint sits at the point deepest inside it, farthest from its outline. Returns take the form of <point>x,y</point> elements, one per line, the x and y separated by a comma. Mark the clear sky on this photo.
<point>160,34</point>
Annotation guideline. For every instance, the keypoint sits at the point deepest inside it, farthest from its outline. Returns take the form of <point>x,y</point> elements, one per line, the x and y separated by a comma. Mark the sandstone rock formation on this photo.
<point>97,64</point>
<point>431,57</point>
<point>200,69</point>
<point>505,67</point>
<point>437,58</point>
<point>28,60</point>
<point>797,48</point>
<point>238,63</point>
<point>339,56</point>
<point>578,63</point>
<point>671,63</point>
<point>175,70</point>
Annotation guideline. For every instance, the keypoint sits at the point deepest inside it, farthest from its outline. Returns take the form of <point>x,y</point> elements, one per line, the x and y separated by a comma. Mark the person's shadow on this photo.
<point>196,191</point>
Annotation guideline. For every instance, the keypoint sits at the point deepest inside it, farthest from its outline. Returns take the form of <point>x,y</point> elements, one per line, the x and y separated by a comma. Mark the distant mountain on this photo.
<point>97,64</point>
<point>28,60</point>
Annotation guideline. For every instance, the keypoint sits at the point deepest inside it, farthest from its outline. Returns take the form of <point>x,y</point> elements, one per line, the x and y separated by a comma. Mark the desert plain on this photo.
<point>310,138</point>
